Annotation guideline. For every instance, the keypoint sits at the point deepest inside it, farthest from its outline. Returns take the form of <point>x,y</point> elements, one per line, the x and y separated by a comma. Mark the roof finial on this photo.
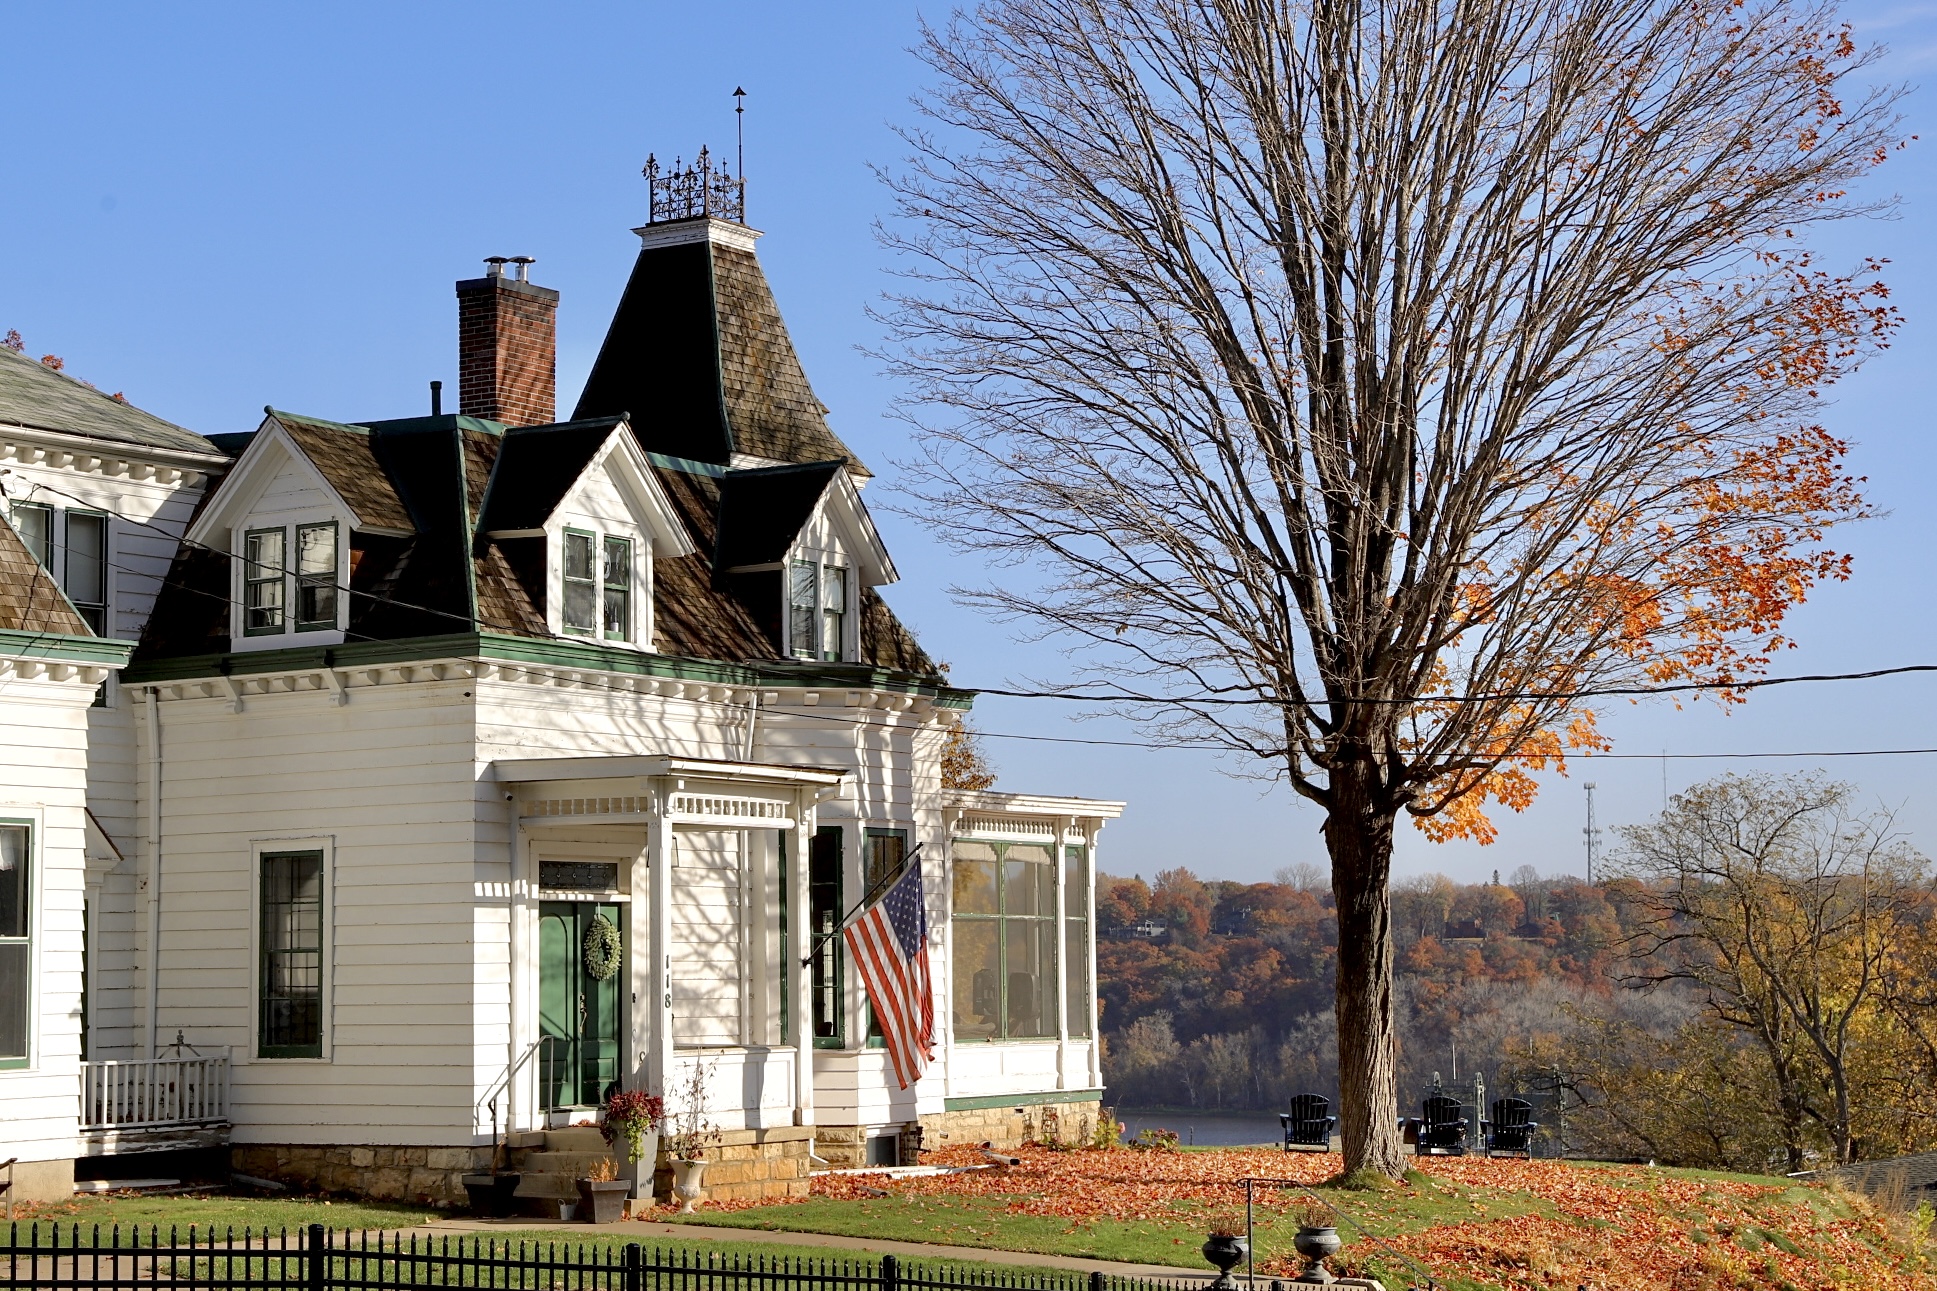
<point>691,192</point>
<point>740,145</point>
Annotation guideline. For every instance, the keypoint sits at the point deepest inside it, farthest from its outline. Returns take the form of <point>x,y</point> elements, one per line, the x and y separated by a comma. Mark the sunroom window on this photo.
<point>1006,985</point>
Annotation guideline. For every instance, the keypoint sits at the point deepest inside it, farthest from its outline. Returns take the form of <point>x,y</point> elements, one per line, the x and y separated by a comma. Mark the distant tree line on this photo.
<point>1752,987</point>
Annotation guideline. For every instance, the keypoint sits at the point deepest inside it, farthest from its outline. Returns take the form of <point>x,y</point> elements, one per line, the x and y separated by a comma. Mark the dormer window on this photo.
<point>817,622</point>
<point>598,585</point>
<point>277,592</point>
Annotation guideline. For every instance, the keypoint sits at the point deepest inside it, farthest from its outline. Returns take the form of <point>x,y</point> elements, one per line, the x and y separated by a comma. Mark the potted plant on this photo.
<point>1226,1247</point>
<point>692,1134</point>
<point>601,1193</point>
<point>1316,1240</point>
<point>635,1117</point>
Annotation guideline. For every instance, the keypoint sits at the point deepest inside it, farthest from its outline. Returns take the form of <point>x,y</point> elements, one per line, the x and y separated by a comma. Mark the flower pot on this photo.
<point>1226,1253</point>
<point>639,1173</point>
<point>688,1183</point>
<point>491,1193</point>
<point>1317,1245</point>
<point>602,1201</point>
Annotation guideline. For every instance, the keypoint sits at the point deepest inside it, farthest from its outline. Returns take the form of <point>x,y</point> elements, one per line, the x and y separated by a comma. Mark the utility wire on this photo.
<point>1154,746</point>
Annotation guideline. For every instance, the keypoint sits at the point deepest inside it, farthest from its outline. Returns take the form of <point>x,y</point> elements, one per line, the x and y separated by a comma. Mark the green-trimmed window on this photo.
<point>617,577</point>
<point>316,576</point>
<point>86,578</point>
<point>824,911</point>
<point>1005,939</point>
<point>887,856</point>
<point>290,992</point>
<point>580,608</point>
<point>34,522</point>
<point>16,942</point>
<point>263,563</point>
<point>1076,939</point>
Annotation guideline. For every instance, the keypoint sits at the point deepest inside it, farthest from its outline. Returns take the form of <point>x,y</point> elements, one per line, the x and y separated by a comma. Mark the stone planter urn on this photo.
<point>1226,1252</point>
<point>688,1183</point>
<point>1317,1245</point>
<point>602,1201</point>
<point>491,1193</point>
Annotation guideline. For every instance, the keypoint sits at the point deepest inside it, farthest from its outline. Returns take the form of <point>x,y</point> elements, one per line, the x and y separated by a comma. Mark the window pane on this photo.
<point>887,852</point>
<point>1030,962</point>
<point>977,993</point>
<point>316,603</point>
<point>264,553</point>
<point>579,606</point>
<point>316,549</point>
<point>13,881</point>
<point>1029,881</point>
<point>87,558</point>
<point>803,608</point>
<point>1076,957</point>
<point>834,588</point>
<point>975,870</point>
<point>617,618</point>
<point>16,960</point>
<point>578,555</point>
<point>292,955</point>
<point>34,521</point>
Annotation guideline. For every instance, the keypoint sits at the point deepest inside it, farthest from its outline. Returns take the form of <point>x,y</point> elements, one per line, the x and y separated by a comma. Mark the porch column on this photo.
<point>1063,966</point>
<point>659,915</point>
<point>1090,831</point>
<point>800,1009</point>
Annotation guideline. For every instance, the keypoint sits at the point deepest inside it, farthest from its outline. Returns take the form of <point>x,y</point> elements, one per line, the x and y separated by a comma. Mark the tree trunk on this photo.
<point>1358,834</point>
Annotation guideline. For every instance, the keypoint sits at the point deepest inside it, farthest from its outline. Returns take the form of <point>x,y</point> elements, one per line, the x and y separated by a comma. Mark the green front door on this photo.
<point>581,1015</point>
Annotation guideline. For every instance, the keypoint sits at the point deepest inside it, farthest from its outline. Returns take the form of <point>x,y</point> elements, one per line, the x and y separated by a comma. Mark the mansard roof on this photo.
<point>698,353</point>
<point>37,397</point>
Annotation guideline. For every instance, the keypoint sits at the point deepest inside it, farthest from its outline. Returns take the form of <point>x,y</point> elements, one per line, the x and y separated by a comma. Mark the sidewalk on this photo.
<point>648,1232</point>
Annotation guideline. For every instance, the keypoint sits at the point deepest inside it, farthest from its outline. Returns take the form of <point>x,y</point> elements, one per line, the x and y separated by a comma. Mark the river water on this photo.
<point>1207,1129</point>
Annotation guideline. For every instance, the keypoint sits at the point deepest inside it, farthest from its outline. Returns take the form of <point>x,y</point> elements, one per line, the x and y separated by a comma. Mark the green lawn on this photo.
<point>986,1222</point>
<point>221,1212</point>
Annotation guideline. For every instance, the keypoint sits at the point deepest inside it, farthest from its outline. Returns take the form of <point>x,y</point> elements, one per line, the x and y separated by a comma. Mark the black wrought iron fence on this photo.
<point>51,1258</point>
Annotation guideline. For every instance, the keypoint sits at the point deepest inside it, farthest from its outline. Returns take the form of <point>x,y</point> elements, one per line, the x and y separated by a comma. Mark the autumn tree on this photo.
<point>1788,910</point>
<point>1364,386</point>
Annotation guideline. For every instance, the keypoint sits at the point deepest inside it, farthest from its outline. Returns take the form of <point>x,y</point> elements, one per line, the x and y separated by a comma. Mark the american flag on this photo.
<point>889,942</point>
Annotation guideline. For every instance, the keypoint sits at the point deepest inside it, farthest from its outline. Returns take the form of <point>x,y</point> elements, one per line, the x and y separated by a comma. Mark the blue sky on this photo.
<point>216,207</point>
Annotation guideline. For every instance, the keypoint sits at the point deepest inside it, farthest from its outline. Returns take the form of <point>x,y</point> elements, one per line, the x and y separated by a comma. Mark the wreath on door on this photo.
<point>601,948</point>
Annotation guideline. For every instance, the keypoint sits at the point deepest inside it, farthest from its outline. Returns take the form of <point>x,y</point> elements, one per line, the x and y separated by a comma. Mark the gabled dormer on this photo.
<point>800,538</point>
<point>580,517</point>
<point>289,515</point>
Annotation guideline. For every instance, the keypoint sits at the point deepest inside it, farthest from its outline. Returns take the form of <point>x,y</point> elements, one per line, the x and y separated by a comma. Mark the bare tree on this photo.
<point>1788,910</point>
<point>1358,384</point>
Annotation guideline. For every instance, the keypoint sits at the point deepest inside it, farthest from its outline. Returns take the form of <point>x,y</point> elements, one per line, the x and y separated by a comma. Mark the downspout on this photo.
<point>153,718</point>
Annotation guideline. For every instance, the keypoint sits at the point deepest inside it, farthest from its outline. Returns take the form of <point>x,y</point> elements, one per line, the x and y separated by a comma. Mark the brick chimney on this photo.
<point>507,346</point>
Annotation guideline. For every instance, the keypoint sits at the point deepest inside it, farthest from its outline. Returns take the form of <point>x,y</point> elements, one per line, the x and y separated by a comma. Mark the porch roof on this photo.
<point>1002,802</point>
<point>632,766</point>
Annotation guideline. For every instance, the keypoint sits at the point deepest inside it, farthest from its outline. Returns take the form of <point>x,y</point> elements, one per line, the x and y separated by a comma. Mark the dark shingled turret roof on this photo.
<point>698,354</point>
<point>40,398</point>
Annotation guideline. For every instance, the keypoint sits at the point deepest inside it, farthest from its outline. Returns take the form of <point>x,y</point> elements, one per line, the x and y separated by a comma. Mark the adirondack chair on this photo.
<point>1442,1131</point>
<point>1511,1128</point>
<point>1309,1123</point>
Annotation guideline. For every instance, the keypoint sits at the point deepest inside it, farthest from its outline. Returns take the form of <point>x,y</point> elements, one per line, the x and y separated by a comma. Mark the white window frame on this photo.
<point>258,848</point>
<point>288,636</point>
<point>34,822</point>
<point>824,563</point>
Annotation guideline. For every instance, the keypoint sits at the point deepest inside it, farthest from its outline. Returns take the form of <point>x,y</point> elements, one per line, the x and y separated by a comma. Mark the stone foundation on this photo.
<point>751,1165</point>
<point>39,1181</point>
<point>1025,1119</point>
<point>423,1175</point>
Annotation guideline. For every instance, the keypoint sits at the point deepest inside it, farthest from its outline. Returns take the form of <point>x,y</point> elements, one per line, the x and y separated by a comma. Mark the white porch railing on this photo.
<point>154,1093</point>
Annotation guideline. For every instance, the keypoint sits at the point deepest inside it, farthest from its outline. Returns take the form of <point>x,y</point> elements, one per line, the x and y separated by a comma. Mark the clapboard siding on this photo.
<point>43,781</point>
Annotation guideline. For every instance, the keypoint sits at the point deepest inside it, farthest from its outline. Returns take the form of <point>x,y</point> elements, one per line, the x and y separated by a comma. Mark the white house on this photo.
<point>424,704</point>
<point>96,493</point>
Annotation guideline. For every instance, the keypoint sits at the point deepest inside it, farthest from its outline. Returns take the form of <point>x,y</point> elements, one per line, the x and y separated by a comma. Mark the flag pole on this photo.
<point>879,883</point>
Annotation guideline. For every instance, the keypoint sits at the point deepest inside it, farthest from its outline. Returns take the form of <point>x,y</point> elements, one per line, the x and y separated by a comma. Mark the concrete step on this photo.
<point>577,1138</point>
<point>555,1174</point>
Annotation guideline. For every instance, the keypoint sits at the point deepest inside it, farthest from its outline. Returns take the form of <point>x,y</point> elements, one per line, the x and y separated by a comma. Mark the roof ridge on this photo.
<point>280,413</point>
